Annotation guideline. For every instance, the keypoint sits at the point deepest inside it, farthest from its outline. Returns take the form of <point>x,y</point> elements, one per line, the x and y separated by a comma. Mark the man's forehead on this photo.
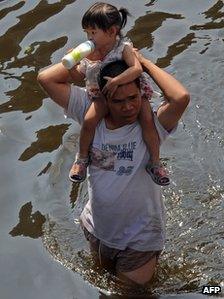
<point>125,90</point>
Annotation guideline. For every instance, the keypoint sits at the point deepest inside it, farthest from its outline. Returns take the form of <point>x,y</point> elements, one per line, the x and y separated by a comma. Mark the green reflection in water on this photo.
<point>48,140</point>
<point>30,225</point>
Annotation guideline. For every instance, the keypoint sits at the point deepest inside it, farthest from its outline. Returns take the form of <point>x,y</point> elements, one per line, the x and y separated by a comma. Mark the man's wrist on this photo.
<point>146,63</point>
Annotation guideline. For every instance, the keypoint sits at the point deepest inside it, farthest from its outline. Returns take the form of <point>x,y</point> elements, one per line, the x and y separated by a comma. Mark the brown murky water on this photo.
<point>43,253</point>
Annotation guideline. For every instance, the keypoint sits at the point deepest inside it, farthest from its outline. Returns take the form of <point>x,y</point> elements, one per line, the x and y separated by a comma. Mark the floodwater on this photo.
<point>43,253</point>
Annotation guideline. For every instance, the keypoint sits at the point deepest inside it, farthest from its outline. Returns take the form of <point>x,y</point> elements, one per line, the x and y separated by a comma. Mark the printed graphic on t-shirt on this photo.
<point>102,159</point>
<point>124,170</point>
<point>123,151</point>
<point>105,158</point>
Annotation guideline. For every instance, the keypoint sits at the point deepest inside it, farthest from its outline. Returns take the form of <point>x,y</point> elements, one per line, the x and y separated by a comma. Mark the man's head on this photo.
<point>124,106</point>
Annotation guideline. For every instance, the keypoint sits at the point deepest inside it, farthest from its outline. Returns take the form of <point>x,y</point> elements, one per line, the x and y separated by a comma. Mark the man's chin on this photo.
<point>131,118</point>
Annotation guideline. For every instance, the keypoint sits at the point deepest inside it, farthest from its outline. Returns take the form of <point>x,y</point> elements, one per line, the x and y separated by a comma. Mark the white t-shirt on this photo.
<point>125,207</point>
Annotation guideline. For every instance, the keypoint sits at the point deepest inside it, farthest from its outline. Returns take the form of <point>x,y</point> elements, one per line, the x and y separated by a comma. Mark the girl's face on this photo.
<point>100,37</point>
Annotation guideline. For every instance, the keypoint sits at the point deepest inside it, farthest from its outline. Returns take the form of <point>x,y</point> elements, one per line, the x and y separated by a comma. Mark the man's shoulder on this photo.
<point>162,132</point>
<point>78,104</point>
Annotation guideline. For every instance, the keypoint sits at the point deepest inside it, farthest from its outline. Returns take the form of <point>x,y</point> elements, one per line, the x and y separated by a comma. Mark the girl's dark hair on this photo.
<point>104,15</point>
<point>113,69</point>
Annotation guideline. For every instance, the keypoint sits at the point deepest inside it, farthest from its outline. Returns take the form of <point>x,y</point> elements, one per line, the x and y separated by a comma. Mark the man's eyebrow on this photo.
<point>120,100</point>
<point>114,99</point>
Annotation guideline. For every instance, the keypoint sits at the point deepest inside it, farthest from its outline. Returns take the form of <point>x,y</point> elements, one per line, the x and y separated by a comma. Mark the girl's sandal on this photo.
<point>78,171</point>
<point>158,173</point>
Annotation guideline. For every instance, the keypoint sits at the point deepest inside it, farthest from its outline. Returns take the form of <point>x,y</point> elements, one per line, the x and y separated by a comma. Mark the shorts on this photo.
<point>123,260</point>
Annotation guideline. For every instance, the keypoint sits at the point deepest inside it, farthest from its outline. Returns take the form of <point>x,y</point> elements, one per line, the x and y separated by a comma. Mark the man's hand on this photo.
<point>138,55</point>
<point>111,87</point>
<point>140,58</point>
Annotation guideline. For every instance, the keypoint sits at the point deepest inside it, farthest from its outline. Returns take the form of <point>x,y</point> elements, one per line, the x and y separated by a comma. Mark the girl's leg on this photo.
<point>95,113</point>
<point>149,132</point>
<point>151,138</point>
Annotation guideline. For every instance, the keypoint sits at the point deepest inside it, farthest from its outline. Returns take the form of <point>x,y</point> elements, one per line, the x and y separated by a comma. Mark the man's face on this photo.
<point>124,106</point>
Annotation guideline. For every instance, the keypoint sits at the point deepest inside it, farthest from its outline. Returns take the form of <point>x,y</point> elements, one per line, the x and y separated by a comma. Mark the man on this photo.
<point>124,217</point>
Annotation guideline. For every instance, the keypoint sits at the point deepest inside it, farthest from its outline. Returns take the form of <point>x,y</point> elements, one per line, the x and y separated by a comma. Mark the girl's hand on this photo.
<point>69,50</point>
<point>111,87</point>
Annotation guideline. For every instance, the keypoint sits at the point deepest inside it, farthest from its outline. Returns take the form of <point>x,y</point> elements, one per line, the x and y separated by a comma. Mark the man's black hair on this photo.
<point>112,70</point>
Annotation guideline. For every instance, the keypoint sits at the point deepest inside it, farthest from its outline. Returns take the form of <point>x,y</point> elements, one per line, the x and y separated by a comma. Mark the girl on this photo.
<point>102,23</point>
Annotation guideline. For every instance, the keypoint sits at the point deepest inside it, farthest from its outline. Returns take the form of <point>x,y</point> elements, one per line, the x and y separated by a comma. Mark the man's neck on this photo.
<point>113,124</point>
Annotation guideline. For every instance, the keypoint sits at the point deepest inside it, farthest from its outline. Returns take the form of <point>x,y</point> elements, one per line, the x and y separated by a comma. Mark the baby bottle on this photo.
<point>77,54</point>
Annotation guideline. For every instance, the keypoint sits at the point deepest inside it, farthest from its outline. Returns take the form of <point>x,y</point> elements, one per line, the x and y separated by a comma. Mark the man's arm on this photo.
<point>56,79</point>
<point>176,96</point>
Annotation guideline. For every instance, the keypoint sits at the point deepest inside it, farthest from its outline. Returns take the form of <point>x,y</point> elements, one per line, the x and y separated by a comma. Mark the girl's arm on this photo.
<point>134,70</point>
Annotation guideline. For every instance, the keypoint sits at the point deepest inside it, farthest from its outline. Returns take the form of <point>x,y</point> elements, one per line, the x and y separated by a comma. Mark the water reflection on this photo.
<point>74,194</point>
<point>30,224</point>
<point>141,33</point>
<point>38,54</point>
<point>176,49</point>
<point>7,10</point>
<point>28,96</point>
<point>48,140</point>
<point>214,13</point>
<point>28,21</point>
<point>46,168</point>
<point>151,3</point>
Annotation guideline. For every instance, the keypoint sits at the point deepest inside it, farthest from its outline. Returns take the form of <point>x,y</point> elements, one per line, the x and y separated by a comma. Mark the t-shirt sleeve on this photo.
<point>78,104</point>
<point>163,133</point>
